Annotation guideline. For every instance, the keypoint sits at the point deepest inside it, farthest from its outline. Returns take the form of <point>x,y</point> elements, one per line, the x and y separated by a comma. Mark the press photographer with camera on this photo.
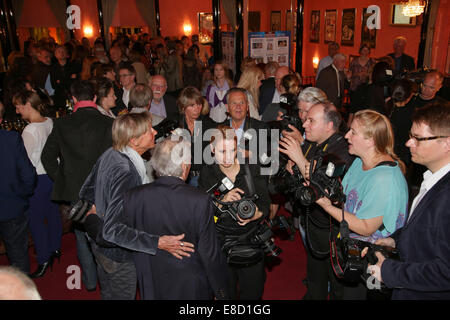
<point>238,222</point>
<point>375,187</point>
<point>322,138</point>
<point>422,273</point>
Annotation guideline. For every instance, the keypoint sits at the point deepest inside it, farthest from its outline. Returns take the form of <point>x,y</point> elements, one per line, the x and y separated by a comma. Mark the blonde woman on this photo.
<point>251,81</point>
<point>375,188</point>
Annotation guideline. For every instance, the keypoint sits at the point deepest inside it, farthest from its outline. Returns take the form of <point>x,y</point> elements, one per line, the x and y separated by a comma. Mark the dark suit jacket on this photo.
<point>424,245</point>
<point>78,140</point>
<point>406,63</point>
<point>18,177</point>
<point>266,93</point>
<point>171,107</point>
<point>327,81</point>
<point>254,129</point>
<point>169,206</point>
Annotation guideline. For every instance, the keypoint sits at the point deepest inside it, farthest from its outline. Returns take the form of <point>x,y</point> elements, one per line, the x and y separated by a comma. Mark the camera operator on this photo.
<point>424,266</point>
<point>322,136</point>
<point>375,188</point>
<point>246,281</point>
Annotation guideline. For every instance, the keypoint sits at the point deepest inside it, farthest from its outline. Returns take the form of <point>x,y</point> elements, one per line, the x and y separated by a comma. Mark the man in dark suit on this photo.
<point>248,130</point>
<point>16,187</point>
<point>170,206</point>
<point>424,266</point>
<point>332,80</point>
<point>163,105</point>
<point>270,90</point>
<point>77,140</point>
<point>403,62</point>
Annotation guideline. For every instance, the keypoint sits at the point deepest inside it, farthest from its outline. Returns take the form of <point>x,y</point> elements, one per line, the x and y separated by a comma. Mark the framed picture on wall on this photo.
<point>348,27</point>
<point>205,27</point>
<point>330,26</point>
<point>291,24</point>
<point>398,19</point>
<point>275,21</point>
<point>368,36</point>
<point>314,29</point>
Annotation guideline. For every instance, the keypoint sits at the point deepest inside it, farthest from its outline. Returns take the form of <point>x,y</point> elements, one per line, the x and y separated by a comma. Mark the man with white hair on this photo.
<point>164,106</point>
<point>403,62</point>
<point>15,285</point>
<point>333,81</point>
<point>169,204</point>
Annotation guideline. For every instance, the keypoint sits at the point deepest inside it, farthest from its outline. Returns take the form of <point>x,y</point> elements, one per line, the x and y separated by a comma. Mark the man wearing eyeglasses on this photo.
<point>429,88</point>
<point>127,77</point>
<point>423,271</point>
<point>164,106</point>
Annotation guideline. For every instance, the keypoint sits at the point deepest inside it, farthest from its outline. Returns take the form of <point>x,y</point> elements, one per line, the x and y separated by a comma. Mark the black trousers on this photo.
<point>319,272</point>
<point>247,283</point>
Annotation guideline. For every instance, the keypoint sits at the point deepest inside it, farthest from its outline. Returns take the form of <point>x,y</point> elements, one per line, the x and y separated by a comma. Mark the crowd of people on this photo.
<point>165,215</point>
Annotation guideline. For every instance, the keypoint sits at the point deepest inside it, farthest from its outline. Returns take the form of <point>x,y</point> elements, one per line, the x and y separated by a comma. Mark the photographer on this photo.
<point>322,136</point>
<point>246,282</point>
<point>375,188</point>
<point>423,270</point>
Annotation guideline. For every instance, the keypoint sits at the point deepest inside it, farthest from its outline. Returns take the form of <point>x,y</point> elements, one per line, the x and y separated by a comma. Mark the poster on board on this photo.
<point>265,47</point>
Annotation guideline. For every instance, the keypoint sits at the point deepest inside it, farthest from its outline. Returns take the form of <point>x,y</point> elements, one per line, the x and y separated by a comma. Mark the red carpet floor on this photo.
<point>284,279</point>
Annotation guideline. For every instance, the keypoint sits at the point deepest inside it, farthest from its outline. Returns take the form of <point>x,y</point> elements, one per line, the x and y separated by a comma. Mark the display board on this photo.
<point>266,47</point>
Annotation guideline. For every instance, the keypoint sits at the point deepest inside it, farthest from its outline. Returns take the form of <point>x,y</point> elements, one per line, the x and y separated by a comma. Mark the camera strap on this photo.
<point>249,180</point>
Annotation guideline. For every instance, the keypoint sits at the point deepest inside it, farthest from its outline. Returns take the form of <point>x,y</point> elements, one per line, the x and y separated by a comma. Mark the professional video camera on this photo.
<point>288,101</point>
<point>244,208</point>
<point>164,129</point>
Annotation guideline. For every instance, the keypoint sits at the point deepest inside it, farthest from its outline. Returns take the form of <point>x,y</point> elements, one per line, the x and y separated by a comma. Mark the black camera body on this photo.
<point>244,208</point>
<point>263,237</point>
<point>77,212</point>
<point>284,182</point>
<point>324,181</point>
<point>164,129</point>
<point>347,261</point>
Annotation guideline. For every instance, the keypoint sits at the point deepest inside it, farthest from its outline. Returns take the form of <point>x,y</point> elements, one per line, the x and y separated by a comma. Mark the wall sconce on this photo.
<point>315,63</point>
<point>187,28</point>
<point>88,32</point>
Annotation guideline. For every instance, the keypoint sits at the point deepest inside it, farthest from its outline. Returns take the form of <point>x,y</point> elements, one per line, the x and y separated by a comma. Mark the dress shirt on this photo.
<point>158,108</point>
<point>429,180</point>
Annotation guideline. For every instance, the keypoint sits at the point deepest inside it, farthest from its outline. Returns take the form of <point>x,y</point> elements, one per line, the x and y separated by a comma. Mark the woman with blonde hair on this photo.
<point>376,191</point>
<point>251,81</point>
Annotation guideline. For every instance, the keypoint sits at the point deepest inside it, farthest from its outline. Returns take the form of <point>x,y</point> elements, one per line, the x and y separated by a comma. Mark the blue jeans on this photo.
<point>14,233</point>
<point>86,259</point>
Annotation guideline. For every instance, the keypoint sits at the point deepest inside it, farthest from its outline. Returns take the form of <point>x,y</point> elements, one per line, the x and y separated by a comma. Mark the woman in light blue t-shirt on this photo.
<point>375,188</point>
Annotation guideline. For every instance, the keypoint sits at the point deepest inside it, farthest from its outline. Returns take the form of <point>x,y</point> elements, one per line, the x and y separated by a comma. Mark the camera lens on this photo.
<point>246,210</point>
<point>307,196</point>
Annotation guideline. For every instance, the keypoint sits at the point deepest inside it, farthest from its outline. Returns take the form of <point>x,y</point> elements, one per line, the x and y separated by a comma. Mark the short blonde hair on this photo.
<point>129,126</point>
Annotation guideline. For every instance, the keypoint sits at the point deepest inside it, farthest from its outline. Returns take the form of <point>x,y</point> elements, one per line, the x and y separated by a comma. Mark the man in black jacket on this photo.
<point>322,136</point>
<point>77,140</point>
<point>403,62</point>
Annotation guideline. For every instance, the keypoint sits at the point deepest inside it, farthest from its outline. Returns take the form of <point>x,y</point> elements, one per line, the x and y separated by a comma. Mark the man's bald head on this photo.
<point>279,74</point>
<point>158,84</point>
<point>15,285</point>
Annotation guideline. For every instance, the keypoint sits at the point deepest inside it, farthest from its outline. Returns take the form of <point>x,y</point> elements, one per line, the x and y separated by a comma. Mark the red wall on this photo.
<point>441,37</point>
<point>385,35</point>
<point>37,13</point>
<point>175,13</point>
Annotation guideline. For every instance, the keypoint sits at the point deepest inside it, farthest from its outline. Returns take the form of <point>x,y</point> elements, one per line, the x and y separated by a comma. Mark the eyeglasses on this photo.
<point>125,75</point>
<point>416,138</point>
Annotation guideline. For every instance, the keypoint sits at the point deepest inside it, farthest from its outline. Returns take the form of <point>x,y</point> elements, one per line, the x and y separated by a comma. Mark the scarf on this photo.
<point>138,163</point>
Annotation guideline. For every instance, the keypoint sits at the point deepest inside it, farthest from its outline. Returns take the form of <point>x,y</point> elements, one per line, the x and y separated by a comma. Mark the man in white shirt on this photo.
<point>424,266</point>
<point>333,48</point>
<point>127,76</point>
